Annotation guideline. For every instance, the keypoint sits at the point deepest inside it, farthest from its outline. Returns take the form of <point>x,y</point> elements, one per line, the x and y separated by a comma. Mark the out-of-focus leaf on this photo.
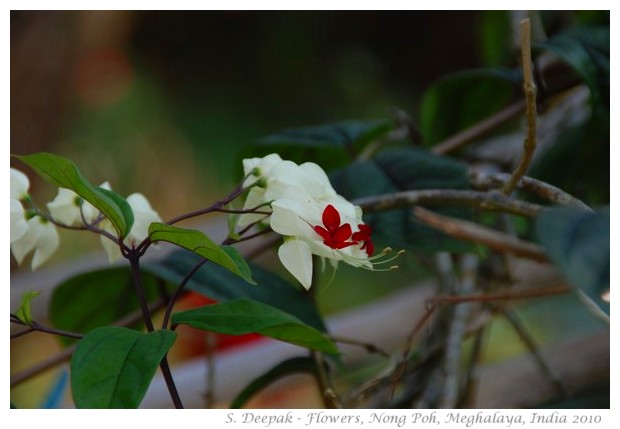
<point>199,243</point>
<point>577,149</point>
<point>288,367</point>
<point>586,50</point>
<point>578,242</point>
<point>61,172</point>
<point>457,101</point>
<point>244,316</point>
<point>331,145</point>
<point>112,366</point>
<point>97,298</point>
<point>23,313</point>
<point>494,35</point>
<point>400,170</point>
<point>220,284</point>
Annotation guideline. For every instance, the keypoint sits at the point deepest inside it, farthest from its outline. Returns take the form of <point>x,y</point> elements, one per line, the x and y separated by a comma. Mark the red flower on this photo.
<point>363,235</point>
<point>334,235</point>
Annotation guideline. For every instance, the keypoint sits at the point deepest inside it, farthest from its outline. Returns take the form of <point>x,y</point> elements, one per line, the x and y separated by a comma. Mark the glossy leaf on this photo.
<point>112,366</point>
<point>587,51</point>
<point>63,173</point>
<point>200,244</point>
<point>244,316</point>
<point>23,313</point>
<point>457,101</point>
<point>399,170</point>
<point>220,284</point>
<point>330,145</point>
<point>97,298</point>
<point>288,367</point>
<point>578,242</point>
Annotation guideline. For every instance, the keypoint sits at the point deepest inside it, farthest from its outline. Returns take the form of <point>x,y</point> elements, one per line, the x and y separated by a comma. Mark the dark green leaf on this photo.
<point>63,173</point>
<point>330,145</point>
<point>400,170</point>
<point>244,316</point>
<point>220,284</point>
<point>97,298</point>
<point>23,312</point>
<point>288,367</point>
<point>456,102</point>
<point>586,50</point>
<point>199,243</point>
<point>578,242</point>
<point>112,366</point>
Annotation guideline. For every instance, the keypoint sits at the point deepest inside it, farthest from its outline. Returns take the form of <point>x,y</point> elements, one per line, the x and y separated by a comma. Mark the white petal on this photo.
<point>255,197</point>
<point>111,248</point>
<point>64,208</point>
<point>19,184</point>
<point>47,240</point>
<point>42,237</point>
<point>144,215</point>
<point>19,226</point>
<point>296,257</point>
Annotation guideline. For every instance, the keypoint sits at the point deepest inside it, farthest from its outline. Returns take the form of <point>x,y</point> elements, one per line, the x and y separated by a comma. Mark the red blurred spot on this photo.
<point>103,77</point>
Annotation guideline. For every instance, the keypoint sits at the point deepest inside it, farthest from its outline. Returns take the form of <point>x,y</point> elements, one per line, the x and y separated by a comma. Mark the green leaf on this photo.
<point>331,145</point>
<point>244,316</point>
<point>23,312</point>
<point>199,243</point>
<point>399,170</point>
<point>586,50</point>
<point>288,367</point>
<point>578,243</point>
<point>459,100</point>
<point>112,366</point>
<point>97,298</point>
<point>63,173</point>
<point>221,285</point>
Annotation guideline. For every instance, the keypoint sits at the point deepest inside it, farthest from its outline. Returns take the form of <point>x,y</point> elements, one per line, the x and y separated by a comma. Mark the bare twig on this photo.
<point>480,234</point>
<point>456,333</point>
<point>529,342</point>
<point>478,130</point>
<point>529,143</point>
<point>447,197</point>
<point>330,398</point>
<point>486,181</point>
<point>369,347</point>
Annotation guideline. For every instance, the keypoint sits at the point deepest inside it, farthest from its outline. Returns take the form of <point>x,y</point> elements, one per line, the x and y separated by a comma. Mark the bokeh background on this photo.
<point>162,102</point>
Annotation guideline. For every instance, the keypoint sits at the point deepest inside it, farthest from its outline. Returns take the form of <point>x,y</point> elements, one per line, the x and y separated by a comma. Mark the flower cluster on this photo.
<point>308,212</point>
<point>33,230</point>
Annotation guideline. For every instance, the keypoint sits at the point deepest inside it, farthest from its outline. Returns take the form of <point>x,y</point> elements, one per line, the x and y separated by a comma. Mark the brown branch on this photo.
<point>478,130</point>
<point>529,143</point>
<point>471,231</point>
<point>445,197</point>
<point>486,181</point>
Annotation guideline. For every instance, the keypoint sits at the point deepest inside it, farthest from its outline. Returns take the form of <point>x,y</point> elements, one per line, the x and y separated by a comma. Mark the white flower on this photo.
<point>19,191</point>
<point>19,185</point>
<point>325,228</point>
<point>40,236</point>
<point>143,215</point>
<point>279,176</point>
<point>19,225</point>
<point>68,208</point>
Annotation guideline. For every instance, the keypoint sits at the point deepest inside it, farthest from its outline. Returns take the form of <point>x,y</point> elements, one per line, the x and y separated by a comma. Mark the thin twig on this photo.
<point>529,342</point>
<point>486,181</point>
<point>448,197</point>
<point>369,347</point>
<point>478,130</point>
<point>179,290</point>
<point>529,143</point>
<point>211,346</point>
<point>471,231</point>
<point>330,399</point>
<point>456,333</point>
<point>37,327</point>
<point>65,354</point>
